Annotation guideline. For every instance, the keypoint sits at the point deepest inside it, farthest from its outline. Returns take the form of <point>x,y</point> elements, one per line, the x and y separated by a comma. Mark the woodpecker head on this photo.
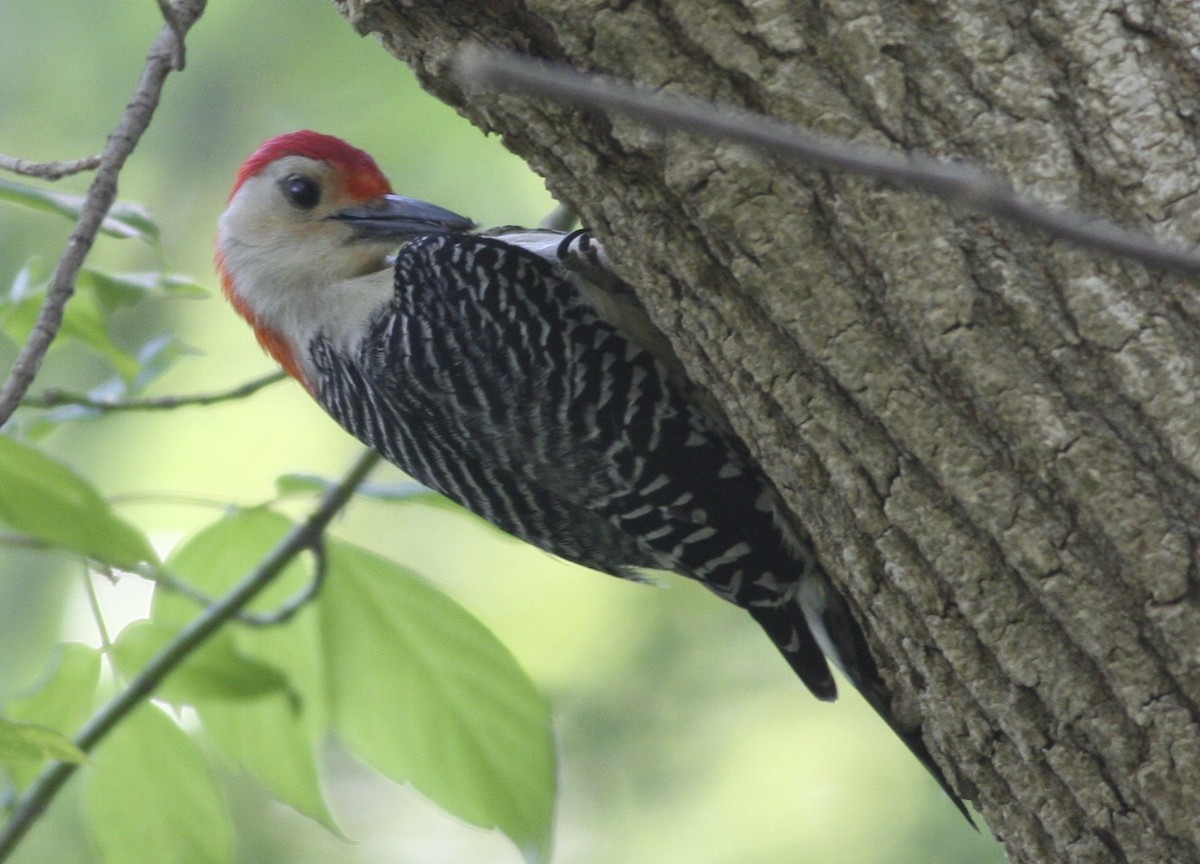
<point>308,212</point>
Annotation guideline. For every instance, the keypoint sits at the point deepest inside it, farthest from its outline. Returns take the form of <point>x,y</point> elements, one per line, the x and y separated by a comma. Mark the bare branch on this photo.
<point>48,170</point>
<point>304,536</point>
<point>178,30</point>
<point>957,182</point>
<point>103,192</point>
<point>59,398</point>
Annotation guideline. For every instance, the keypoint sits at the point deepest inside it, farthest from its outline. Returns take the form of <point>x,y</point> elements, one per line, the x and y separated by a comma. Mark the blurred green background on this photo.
<point>683,736</point>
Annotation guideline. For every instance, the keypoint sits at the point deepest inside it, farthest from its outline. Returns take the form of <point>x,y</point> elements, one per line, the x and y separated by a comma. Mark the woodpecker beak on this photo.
<point>394,217</point>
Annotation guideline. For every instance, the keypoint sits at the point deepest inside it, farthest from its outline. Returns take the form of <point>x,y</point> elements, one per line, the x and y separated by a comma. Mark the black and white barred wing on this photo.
<point>500,364</point>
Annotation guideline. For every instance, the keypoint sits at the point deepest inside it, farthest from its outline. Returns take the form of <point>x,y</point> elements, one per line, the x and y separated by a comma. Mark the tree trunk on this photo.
<point>994,438</point>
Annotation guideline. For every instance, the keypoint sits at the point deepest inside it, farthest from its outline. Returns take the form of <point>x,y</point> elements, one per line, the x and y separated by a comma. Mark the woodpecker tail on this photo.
<point>795,642</point>
<point>819,615</point>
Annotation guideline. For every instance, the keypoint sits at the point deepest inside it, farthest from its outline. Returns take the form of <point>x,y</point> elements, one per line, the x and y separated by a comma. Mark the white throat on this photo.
<point>300,279</point>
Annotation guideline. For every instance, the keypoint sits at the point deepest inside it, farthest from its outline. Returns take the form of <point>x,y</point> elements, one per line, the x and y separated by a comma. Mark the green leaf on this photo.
<point>86,323</point>
<point>29,279</point>
<point>83,321</point>
<point>180,285</point>
<point>276,738</point>
<point>51,503</point>
<point>156,357</point>
<point>30,742</point>
<point>125,289</point>
<point>440,702</point>
<point>301,484</point>
<point>111,291</point>
<point>150,797</point>
<point>123,219</point>
<point>65,696</point>
<point>62,701</point>
<point>214,671</point>
<point>220,555</point>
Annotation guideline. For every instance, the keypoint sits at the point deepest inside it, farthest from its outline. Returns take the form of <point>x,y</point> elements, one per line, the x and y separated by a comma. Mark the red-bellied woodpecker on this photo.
<point>514,373</point>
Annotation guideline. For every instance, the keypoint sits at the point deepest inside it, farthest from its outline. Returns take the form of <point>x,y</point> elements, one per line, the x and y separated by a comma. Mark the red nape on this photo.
<point>362,176</point>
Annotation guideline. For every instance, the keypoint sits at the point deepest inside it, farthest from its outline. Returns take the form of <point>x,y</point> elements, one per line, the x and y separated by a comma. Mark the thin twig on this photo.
<point>59,398</point>
<point>288,609</point>
<point>100,197</point>
<point>48,170</point>
<point>144,496</point>
<point>281,615</point>
<point>97,613</point>
<point>304,536</point>
<point>958,182</point>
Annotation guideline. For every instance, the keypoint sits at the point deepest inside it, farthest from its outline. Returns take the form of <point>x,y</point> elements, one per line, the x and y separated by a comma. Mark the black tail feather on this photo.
<point>795,642</point>
<point>788,629</point>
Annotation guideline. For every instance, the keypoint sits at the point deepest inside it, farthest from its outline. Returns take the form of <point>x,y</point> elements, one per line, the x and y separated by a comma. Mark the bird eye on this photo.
<point>303,193</point>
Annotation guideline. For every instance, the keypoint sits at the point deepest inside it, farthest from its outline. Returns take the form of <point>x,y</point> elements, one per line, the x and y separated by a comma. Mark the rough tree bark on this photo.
<point>995,438</point>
